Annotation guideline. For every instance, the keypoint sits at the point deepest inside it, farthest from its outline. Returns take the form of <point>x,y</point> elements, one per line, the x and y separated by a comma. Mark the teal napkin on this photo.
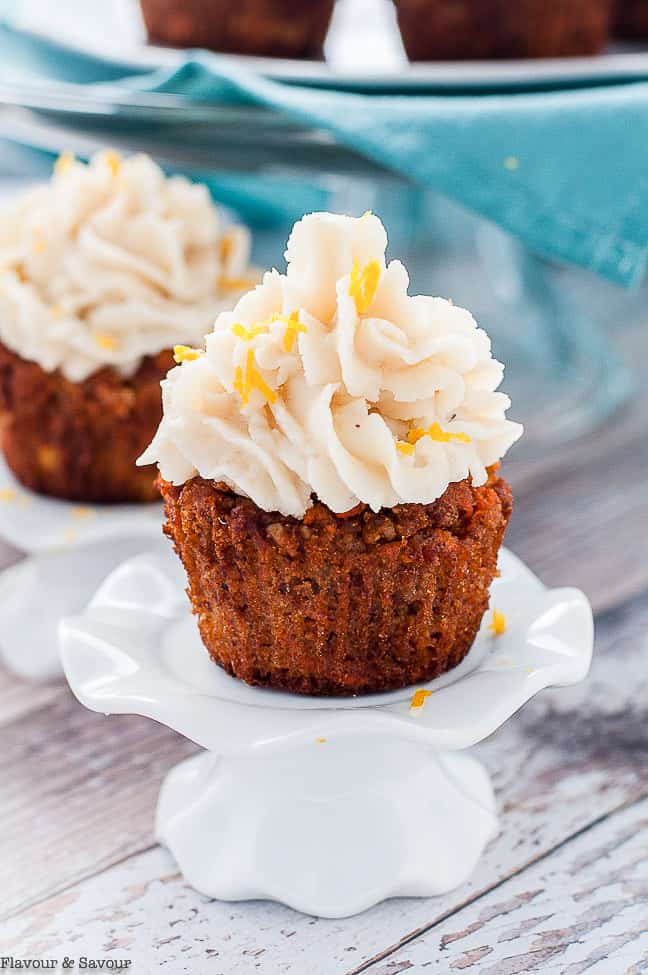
<point>565,171</point>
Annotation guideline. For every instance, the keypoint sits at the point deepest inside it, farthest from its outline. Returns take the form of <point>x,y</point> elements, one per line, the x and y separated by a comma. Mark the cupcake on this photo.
<point>102,271</point>
<point>631,18</point>
<point>329,467</point>
<point>271,28</point>
<point>439,30</point>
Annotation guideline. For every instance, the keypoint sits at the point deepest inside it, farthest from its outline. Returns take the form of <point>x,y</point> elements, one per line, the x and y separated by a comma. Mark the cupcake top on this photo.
<point>110,262</point>
<point>332,381</point>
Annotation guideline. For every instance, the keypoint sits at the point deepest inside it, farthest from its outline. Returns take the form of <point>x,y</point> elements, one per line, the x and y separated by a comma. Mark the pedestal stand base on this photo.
<point>329,828</point>
<point>327,805</point>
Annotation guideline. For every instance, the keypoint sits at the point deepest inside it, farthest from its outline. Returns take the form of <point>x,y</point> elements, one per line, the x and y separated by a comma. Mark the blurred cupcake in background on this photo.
<point>631,18</point>
<point>271,28</point>
<point>472,29</point>
<point>103,270</point>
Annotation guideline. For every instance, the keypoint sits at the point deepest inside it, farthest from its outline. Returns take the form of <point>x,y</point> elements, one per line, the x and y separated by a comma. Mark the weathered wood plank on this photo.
<point>19,697</point>
<point>589,528</point>
<point>77,794</point>
<point>568,759</point>
<point>582,909</point>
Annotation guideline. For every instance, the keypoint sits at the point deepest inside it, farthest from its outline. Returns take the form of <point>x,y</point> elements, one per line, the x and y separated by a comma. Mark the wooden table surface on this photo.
<point>563,889</point>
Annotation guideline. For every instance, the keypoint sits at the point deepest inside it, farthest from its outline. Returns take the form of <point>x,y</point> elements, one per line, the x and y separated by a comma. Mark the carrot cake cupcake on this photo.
<point>270,28</point>
<point>631,18</point>
<point>102,271</point>
<point>466,29</point>
<point>329,470</point>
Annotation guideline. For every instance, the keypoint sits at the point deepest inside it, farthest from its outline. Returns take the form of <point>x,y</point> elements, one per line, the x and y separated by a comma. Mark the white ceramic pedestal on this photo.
<point>70,549</point>
<point>326,805</point>
<point>329,830</point>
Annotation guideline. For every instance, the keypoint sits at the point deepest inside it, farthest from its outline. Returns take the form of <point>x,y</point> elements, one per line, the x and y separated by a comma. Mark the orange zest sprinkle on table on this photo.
<point>364,284</point>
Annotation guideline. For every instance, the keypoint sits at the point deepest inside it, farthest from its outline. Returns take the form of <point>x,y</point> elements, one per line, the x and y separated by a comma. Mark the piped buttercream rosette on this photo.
<point>111,262</point>
<point>332,381</point>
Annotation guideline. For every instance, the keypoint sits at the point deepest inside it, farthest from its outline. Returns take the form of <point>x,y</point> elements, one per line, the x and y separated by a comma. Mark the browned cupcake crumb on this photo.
<point>473,29</point>
<point>80,441</point>
<point>338,605</point>
<point>271,28</point>
<point>631,18</point>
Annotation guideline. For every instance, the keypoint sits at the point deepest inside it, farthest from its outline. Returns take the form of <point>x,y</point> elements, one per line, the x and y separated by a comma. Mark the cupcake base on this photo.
<point>269,28</point>
<point>338,605</point>
<point>80,441</point>
<point>631,18</point>
<point>472,29</point>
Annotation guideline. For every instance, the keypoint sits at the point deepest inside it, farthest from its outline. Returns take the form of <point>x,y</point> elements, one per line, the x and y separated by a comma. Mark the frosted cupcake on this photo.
<point>329,470</point>
<point>102,271</point>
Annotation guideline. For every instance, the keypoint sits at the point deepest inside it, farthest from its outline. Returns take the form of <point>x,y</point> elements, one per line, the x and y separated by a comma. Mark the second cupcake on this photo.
<point>102,271</point>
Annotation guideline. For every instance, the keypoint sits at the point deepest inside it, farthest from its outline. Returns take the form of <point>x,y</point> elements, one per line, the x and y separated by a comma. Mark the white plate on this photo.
<point>37,592</point>
<point>35,523</point>
<point>363,51</point>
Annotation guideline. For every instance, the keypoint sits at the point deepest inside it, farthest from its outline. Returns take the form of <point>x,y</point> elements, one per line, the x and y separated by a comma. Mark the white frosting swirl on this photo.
<point>365,394</point>
<point>111,262</point>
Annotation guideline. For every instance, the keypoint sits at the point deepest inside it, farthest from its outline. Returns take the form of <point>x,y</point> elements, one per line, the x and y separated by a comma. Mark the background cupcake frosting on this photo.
<point>111,262</point>
<point>332,380</point>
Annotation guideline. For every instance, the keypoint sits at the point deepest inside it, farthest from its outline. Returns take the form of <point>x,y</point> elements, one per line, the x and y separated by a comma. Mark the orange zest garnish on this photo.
<point>63,163</point>
<point>225,247</point>
<point>184,353</point>
<point>107,342</point>
<point>38,243</point>
<point>113,161</point>
<point>82,511</point>
<point>435,432</point>
<point>293,328</point>
<point>8,494</point>
<point>405,448</point>
<point>55,311</point>
<point>498,623</point>
<point>419,698</point>
<point>244,384</point>
<point>226,283</point>
<point>320,741</point>
<point>247,334</point>
<point>364,284</point>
